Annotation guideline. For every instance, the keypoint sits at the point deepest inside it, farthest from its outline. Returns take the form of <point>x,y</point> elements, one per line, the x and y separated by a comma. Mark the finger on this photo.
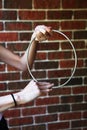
<point>45,86</point>
<point>46,90</point>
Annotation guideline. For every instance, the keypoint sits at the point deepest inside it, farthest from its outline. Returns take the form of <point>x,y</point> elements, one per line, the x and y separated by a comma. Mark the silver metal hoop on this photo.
<point>75,57</point>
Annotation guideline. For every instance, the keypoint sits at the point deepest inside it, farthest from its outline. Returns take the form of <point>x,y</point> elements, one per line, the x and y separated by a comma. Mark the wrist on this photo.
<point>18,98</point>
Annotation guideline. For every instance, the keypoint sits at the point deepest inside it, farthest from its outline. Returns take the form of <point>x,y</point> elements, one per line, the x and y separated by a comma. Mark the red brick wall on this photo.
<point>64,108</point>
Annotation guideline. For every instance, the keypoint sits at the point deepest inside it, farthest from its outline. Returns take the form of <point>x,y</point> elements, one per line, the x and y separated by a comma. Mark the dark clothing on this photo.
<point>3,124</point>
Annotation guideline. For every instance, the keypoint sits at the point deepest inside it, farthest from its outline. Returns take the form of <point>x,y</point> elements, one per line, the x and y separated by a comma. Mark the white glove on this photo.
<point>40,33</point>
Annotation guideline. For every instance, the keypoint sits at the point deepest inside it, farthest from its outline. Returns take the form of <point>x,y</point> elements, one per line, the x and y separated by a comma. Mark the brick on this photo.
<point>85,98</point>
<point>80,34</point>
<point>20,26</point>
<point>57,36</point>
<point>9,76</point>
<point>83,72</point>
<point>1,26</point>
<point>8,36</point>
<point>36,74</point>
<point>17,47</point>
<point>80,14</point>
<point>85,114</point>
<point>31,15</point>
<point>59,15</point>
<point>8,15</point>
<point>35,127</point>
<point>73,81</point>
<point>58,73</point>
<point>47,101</point>
<point>60,91</point>
<point>71,99</point>
<point>70,116</point>
<point>46,118</point>
<point>42,4</point>
<point>1,4</point>
<point>82,53</point>
<point>41,56</point>
<point>58,125</point>
<point>59,55</point>
<point>21,121</point>
<point>25,36</point>
<point>80,63</point>
<point>46,65</point>
<point>66,25</point>
<point>73,4</point>
<point>58,108</point>
<point>12,113</point>
<point>85,80</point>
<point>79,123</point>
<point>79,90</point>
<point>49,46</point>
<point>16,85</point>
<point>77,44</point>
<point>17,128</point>
<point>33,111</point>
<point>80,106</point>
<point>3,86</point>
<point>67,64</point>
<point>85,62</point>
<point>18,4</point>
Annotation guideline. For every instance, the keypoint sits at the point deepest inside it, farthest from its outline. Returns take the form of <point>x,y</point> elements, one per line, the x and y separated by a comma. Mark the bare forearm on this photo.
<point>31,55</point>
<point>16,61</point>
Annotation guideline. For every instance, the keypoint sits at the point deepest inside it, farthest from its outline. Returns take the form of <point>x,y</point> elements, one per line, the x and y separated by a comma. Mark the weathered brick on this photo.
<point>70,116</point>
<point>59,15</point>
<point>46,118</point>
<point>82,14</point>
<point>16,85</point>
<point>20,26</point>
<point>9,76</point>
<point>58,73</point>
<point>1,26</point>
<point>79,90</point>
<point>79,123</point>
<point>80,34</point>
<point>14,4</point>
<point>12,113</point>
<point>31,15</point>
<point>4,36</point>
<point>60,125</point>
<point>73,4</point>
<point>43,4</point>
<point>35,127</point>
<point>21,121</point>
<point>33,111</point>
<point>73,81</point>
<point>58,108</point>
<point>47,101</point>
<point>60,91</point>
<point>80,106</point>
<point>71,99</point>
<point>46,65</point>
<point>8,15</point>
<point>85,114</point>
<point>3,86</point>
<point>73,25</point>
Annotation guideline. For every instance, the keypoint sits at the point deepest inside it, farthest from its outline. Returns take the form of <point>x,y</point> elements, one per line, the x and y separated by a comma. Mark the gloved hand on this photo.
<point>41,33</point>
<point>33,90</point>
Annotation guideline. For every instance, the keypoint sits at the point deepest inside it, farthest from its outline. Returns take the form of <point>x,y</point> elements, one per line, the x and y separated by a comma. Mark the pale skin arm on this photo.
<point>29,93</point>
<point>16,61</point>
<point>33,89</point>
<point>21,62</point>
